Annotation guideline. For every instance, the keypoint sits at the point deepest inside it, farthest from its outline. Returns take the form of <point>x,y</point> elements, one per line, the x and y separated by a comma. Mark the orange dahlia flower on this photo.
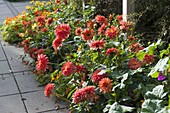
<point>42,63</point>
<point>105,85</point>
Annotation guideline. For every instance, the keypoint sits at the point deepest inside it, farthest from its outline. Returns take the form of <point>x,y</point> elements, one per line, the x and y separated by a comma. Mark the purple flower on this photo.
<point>161,77</point>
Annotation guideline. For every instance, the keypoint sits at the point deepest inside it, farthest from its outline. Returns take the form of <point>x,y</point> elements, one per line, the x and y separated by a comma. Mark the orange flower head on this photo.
<point>48,89</point>
<point>98,44</point>
<point>78,31</point>
<point>40,20</point>
<point>112,32</point>
<point>42,63</point>
<point>134,63</point>
<point>90,24</point>
<point>105,85</point>
<point>131,38</point>
<point>88,34</point>
<point>62,31</point>
<point>101,19</point>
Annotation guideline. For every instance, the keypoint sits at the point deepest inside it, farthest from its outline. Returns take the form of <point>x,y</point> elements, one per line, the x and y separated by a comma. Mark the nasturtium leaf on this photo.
<point>153,106</point>
<point>140,55</point>
<point>156,93</point>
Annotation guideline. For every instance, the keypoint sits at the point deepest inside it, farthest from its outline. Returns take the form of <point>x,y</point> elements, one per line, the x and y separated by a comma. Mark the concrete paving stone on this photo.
<point>11,104</point>
<point>20,9</point>
<point>37,102</point>
<point>2,56</point>
<point>1,2</point>
<point>16,4</point>
<point>4,68</point>
<point>14,57</point>
<point>8,85</point>
<point>2,21</point>
<point>56,111</point>
<point>27,82</point>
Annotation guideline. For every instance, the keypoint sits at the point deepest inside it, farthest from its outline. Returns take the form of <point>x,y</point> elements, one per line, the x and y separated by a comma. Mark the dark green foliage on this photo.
<point>153,20</point>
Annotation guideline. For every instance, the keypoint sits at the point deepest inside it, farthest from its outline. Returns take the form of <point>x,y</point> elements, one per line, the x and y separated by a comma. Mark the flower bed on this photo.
<point>95,64</point>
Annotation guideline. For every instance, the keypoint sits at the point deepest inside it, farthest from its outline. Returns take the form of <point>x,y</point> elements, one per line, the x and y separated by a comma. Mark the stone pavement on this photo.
<point>19,92</point>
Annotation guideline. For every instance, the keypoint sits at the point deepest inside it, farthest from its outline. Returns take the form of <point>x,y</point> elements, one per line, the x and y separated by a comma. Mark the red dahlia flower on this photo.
<point>40,20</point>
<point>96,76</point>
<point>48,89</point>
<point>105,85</point>
<point>119,17</point>
<point>68,68</point>
<point>112,32</point>
<point>98,44</point>
<point>84,94</point>
<point>112,51</point>
<point>134,63</point>
<point>42,63</point>
<point>62,31</point>
<point>88,34</point>
<point>101,30</point>
<point>148,59</point>
<point>101,19</point>
<point>57,42</point>
<point>135,48</point>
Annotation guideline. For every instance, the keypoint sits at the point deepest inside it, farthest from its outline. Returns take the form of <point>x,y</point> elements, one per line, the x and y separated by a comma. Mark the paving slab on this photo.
<point>27,82</point>
<point>14,57</point>
<point>11,104</point>
<point>8,85</point>
<point>20,9</point>
<point>16,4</point>
<point>37,102</point>
<point>2,56</point>
<point>56,111</point>
<point>4,68</point>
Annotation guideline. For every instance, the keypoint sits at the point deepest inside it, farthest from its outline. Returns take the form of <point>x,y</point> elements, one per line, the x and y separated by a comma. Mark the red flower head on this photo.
<point>49,21</point>
<point>98,44</point>
<point>25,23</point>
<point>148,59</point>
<point>134,63</point>
<point>48,89</point>
<point>131,38</point>
<point>84,94</point>
<point>112,32</point>
<point>101,30</point>
<point>119,17</point>
<point>125,25</point>
<point>101,19</point>
<point>68,68</point>
<point>40,20</point>
<point>97,76</point>
<point>57,2</point>
<point>44,29</point>
<point>80,68</point>
<point>135,48</point>
<point>78,31</point>
<point>57,42</point>
<point>105,85</point>
<point>90,24</point>
<point>88,34</point>
<point>112,51</point>
<point>40,51</point>
<point>62,31</point>
<point>42,63</point>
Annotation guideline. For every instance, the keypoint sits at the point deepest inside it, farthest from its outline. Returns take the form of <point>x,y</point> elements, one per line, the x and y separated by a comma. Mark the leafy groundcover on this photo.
<point>93,62</point>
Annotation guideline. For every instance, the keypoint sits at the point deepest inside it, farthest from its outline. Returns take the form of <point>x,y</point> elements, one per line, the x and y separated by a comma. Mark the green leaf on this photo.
<point>160,66</point>
<point>156,93</point>
<point>153,106</point>
<point>117,108</point>
<point>140,55</point>
<point>155,75</point>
